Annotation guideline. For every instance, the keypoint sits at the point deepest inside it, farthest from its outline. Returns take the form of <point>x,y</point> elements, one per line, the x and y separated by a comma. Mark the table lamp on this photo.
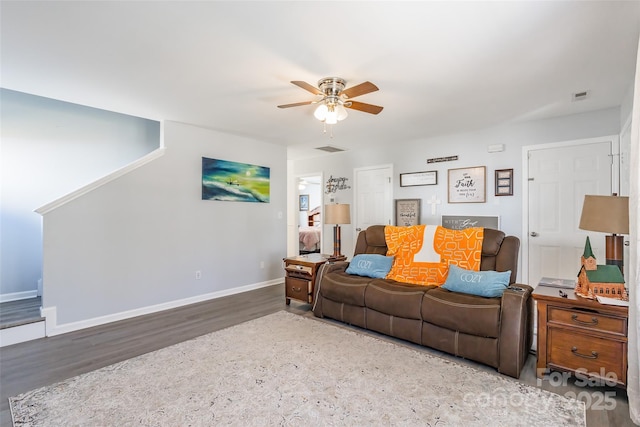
<point>337,214</point>
<point>608,214</point>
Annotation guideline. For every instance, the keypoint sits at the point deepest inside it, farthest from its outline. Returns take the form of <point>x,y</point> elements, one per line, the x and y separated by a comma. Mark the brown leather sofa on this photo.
<point>494,331</point>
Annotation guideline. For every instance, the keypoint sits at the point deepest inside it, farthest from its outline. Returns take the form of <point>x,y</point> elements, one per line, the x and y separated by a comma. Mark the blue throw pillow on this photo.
<point>370,265</point>
<point>489,284</point>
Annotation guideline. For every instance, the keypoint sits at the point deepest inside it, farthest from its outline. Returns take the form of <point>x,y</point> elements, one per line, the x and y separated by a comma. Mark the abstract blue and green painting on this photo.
<point>234,182</point>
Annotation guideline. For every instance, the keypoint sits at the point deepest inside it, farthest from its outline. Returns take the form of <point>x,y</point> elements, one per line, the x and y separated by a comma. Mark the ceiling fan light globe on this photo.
<point>341,112</point>
<point>321,112</point>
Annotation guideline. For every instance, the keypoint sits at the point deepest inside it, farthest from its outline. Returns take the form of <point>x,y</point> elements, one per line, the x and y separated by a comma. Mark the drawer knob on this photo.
<point>296,289</point>
<point>594,320</point>
<point>594,354</point>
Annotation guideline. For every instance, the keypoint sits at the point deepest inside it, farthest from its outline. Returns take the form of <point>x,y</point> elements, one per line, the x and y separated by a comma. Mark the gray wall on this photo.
<point>50,148</point>
<point>137,241</point>
<point>471,148</point>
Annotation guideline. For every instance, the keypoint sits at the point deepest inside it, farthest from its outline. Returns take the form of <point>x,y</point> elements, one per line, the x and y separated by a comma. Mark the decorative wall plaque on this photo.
<point>467,185</point>
<point>418,178</point>
<point>407,212</point>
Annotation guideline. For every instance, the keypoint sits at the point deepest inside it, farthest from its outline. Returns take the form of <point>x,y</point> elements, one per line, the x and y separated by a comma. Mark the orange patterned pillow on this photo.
<point>422,253</point>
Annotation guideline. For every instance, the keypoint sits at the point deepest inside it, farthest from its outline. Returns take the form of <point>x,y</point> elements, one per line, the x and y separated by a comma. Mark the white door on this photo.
<point>373,196</point>
<point>559,178</point>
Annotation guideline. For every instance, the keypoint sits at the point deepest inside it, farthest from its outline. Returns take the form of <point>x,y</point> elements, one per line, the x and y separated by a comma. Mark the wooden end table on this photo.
<point>580,335</point>
<point>300,275</point>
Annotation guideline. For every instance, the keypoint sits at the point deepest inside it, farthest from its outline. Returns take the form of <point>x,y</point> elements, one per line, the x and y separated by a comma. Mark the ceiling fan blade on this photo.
<point>357,90</point>
<point>297,104</point>
<point>306,86</point>
<point>361,106</point>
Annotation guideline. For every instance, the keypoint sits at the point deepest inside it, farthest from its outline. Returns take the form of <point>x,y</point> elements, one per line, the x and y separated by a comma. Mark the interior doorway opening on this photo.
<point>309,190</point>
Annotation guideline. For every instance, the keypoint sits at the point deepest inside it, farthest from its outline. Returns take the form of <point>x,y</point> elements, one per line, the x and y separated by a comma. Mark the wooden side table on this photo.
<point>580,335</point>
<point>300,276</point>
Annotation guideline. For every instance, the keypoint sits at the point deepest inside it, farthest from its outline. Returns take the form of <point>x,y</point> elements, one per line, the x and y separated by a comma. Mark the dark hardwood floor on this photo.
<point>41,362</point>
<point>21,312</point>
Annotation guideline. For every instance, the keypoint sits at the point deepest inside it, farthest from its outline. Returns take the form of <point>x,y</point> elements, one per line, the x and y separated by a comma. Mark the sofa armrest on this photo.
<point>328,267</point>
<point>516,328</point>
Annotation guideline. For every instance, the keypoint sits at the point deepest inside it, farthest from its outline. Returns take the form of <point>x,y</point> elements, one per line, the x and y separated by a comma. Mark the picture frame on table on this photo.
<point>504,182</point>
<point>418,178</point>
<point>407,212</point>
<point>467,185</point>
<point>304,202</point>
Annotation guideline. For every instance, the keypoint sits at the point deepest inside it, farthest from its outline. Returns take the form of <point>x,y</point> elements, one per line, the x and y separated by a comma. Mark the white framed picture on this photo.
<point>467,185</point>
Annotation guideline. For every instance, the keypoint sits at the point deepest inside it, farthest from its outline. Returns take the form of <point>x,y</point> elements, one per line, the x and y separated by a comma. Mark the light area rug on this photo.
<point>284,369</point>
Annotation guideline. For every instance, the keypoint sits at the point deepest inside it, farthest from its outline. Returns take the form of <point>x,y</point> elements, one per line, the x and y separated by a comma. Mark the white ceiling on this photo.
<point>441,67</point>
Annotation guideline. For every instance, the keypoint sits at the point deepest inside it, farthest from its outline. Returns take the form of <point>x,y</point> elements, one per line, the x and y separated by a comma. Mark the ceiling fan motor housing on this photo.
<point>332,86</point>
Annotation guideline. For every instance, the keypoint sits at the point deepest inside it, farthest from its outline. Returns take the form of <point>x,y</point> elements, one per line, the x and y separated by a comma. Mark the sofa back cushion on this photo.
<point>371,241</point>
<point>499,252</point>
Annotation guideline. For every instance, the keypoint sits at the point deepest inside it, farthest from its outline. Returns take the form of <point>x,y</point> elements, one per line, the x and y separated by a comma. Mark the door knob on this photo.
<point>358,229</point>
<point>533,234</point>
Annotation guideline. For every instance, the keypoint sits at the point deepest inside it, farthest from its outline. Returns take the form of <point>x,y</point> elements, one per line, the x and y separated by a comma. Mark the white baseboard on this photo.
<point>15,296</point>
<point>22,333</point>
<point>52,327</point>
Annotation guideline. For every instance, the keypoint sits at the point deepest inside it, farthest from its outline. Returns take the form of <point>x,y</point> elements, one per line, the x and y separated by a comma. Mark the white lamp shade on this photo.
<point>342,112</point>
<point>321,112</point>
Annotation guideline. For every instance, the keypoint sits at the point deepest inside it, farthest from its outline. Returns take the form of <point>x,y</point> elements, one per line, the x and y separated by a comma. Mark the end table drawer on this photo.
<point>298,289</point>
<point>299,269</point>
<point>573,351</point>
<point>593,321</point>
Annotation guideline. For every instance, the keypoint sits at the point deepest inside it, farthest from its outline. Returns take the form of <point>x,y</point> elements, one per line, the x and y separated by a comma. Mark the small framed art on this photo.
<point>304,202</point>
<point>467,185</point>
<point>407,212</point>
<point>504,182</point>
<point>418,178</point>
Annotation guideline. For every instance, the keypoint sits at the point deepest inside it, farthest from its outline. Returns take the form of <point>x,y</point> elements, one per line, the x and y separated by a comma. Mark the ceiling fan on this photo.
<point>335,99</point>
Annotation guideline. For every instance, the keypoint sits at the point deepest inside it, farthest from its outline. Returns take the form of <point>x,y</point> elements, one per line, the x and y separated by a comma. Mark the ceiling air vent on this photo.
<point>579,96</point>
<point>329,149</point>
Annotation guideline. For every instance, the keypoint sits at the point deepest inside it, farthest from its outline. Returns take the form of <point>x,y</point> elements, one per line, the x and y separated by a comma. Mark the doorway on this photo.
<point>559,175</point>
<point>373,201</point>
<point>309,218</point>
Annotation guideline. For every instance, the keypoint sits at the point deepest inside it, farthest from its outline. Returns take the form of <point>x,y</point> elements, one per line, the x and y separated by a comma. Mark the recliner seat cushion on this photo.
<point>394,298</point>
<point>465,313</point>
<point>345,288</point>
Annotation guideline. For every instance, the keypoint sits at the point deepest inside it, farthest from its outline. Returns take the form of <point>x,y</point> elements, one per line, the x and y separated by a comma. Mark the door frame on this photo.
<point>355,190</point>
<point>296,199</point>
<point>526,149</point>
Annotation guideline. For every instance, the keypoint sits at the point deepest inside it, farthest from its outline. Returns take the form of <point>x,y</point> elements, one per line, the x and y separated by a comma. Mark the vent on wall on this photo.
<point>329,149</point>
<point>579,96</point>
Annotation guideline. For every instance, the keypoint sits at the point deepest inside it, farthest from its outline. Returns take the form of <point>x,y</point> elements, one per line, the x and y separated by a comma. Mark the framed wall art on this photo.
<point>458,222</point>
<point>467,185</point>
<point>235,182</point>
<point>418,178</point>
<point>304,202</point>
<point>407,212</point>
<point>504,182</point>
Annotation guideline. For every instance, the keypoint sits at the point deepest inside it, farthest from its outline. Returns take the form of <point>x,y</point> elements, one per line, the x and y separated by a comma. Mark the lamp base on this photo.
<point>614,250</point>
<point>336,242</point>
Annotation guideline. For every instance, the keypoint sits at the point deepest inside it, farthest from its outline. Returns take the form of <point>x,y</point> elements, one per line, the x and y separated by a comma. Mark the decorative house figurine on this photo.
<point>599,280</point>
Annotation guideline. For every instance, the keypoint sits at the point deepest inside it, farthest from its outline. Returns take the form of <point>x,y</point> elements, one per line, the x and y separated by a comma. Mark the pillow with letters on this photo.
<point>488,284</point>
<point>370,265</point>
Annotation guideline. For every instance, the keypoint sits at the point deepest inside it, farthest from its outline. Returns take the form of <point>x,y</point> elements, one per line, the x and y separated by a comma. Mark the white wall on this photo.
<point>471,149</point>
<point>138,241</point>
<point>50,148</point>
